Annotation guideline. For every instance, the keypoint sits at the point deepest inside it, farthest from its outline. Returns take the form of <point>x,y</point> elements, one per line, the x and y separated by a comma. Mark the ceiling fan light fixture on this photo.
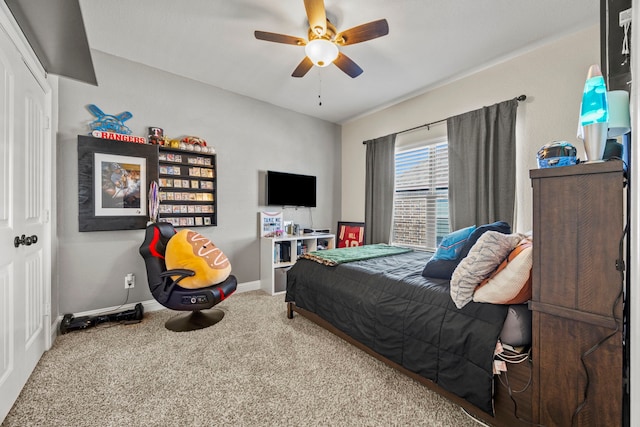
<point>321,52</point>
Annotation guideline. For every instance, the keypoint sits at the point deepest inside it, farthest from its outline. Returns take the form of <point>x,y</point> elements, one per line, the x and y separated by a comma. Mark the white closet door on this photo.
<point>25,268</point>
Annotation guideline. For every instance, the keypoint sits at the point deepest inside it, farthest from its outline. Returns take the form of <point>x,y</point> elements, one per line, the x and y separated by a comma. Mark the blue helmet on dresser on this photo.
<point>556,153</point>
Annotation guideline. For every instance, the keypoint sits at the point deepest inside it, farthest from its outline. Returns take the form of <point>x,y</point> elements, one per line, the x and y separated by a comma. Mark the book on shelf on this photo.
<point>276,253</point>
<point>281,252</point>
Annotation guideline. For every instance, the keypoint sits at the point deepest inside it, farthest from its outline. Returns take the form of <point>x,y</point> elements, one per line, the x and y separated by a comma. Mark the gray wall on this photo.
<point>552,76</point>
<point>249,136</point>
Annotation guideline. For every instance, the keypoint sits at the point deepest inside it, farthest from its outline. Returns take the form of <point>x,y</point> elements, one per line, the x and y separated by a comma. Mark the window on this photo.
<point>421,202</point>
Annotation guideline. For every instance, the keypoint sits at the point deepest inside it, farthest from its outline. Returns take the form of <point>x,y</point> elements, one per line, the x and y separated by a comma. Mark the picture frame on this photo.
<point>350,234</point>
<point>113,183</point>
<point>271,224</point>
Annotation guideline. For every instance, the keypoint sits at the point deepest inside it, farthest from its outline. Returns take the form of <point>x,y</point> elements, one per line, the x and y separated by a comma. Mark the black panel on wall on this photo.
<point>616,65</point>
<point>99,207</point>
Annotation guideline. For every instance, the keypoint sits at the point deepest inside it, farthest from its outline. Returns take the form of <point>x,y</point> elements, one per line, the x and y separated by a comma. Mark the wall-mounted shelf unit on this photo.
<point>187,181</point>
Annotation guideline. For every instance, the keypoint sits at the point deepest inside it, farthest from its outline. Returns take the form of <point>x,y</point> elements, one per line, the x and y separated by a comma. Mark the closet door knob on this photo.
<point>25,240</point>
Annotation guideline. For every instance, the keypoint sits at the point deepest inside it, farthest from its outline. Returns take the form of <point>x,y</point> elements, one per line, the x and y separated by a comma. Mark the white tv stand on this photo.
<point>272,270</point>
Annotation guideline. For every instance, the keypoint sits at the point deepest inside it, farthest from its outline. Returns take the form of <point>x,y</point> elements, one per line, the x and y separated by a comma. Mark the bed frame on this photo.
<point>512,406</point>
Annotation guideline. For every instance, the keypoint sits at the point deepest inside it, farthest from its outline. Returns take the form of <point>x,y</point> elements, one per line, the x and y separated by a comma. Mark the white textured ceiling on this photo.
<point>429,41</point>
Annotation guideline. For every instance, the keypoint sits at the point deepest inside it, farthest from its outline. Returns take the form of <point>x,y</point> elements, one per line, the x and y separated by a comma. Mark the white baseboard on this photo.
<point>148,306</point>
<point>53,332</point>
<point>249,286</point>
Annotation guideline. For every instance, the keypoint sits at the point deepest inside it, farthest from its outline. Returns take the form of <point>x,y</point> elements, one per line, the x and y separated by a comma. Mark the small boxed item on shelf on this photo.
<point>323,244</point>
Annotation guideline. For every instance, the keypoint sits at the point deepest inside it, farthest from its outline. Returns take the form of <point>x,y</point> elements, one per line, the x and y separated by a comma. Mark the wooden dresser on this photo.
<point>577,226</point>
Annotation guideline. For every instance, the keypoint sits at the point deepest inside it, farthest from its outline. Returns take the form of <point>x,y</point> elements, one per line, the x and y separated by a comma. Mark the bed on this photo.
<point>385,306</point>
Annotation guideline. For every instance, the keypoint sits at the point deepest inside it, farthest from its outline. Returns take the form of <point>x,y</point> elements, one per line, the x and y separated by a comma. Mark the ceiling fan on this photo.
<point>324,41</point>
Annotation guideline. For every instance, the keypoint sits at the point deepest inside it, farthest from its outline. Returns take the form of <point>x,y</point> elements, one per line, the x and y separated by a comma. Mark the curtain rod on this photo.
<point>518,98</point>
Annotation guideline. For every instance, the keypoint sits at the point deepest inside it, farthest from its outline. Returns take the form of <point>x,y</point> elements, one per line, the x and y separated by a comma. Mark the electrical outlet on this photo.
<point>624,17</point>
<point>129,281</point>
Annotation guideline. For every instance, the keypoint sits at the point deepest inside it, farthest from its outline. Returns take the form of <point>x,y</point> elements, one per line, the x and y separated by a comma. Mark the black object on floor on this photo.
<point>71,323</point>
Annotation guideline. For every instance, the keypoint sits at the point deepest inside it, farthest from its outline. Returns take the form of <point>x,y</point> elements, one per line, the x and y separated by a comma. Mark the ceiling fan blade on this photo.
<point>316,15</point>
<point>347,65</point>
<point>364,32</point>
<point>279,38</point>
<point>302,68</point>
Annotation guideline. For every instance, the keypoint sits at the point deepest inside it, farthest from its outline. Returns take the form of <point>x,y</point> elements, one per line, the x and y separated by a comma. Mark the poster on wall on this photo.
<point>120,185</point>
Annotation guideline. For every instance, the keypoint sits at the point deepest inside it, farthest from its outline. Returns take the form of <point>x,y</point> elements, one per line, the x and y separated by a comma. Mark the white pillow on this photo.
<point>483,258</point>
<point>511,283</point>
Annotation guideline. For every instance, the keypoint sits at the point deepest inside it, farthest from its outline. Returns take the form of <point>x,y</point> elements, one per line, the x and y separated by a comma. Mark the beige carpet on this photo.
<point>255,368</point>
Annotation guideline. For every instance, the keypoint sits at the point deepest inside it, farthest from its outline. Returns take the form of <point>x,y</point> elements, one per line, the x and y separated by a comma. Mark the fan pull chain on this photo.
<point>319,88</point>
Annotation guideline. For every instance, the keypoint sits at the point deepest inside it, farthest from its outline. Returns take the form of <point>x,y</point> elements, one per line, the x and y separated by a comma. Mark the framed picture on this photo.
<point>113,183</point>
<point>119,185</point>
<point>350,234</point>
<point>271,224</point>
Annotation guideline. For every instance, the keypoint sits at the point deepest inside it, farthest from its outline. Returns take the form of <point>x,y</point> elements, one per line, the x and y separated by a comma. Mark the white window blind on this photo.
<point>421,204</point>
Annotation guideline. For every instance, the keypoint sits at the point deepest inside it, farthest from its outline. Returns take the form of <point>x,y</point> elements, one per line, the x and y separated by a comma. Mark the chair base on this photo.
<point>194,320</point>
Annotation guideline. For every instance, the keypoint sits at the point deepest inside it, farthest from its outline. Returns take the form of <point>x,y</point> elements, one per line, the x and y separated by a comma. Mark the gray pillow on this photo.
<point>483,258</point>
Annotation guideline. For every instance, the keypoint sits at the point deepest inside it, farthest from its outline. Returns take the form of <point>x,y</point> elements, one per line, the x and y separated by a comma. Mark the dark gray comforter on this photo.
<point>386,304</point>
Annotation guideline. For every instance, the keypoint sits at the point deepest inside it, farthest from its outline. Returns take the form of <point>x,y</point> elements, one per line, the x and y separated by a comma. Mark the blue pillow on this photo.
<point>452,244</point>
<point>440,268</point>
<point>443,268</point>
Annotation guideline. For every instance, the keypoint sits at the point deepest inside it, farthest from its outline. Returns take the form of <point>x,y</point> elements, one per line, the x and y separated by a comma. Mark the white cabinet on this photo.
<point>278,254</point>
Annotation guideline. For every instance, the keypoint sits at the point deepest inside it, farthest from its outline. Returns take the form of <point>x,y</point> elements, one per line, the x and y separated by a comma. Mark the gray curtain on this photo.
<point>482,166</point>
<point>380,182</point>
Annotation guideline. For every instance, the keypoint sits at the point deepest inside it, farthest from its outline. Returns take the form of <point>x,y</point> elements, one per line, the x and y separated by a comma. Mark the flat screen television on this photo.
<point>288,189</point>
